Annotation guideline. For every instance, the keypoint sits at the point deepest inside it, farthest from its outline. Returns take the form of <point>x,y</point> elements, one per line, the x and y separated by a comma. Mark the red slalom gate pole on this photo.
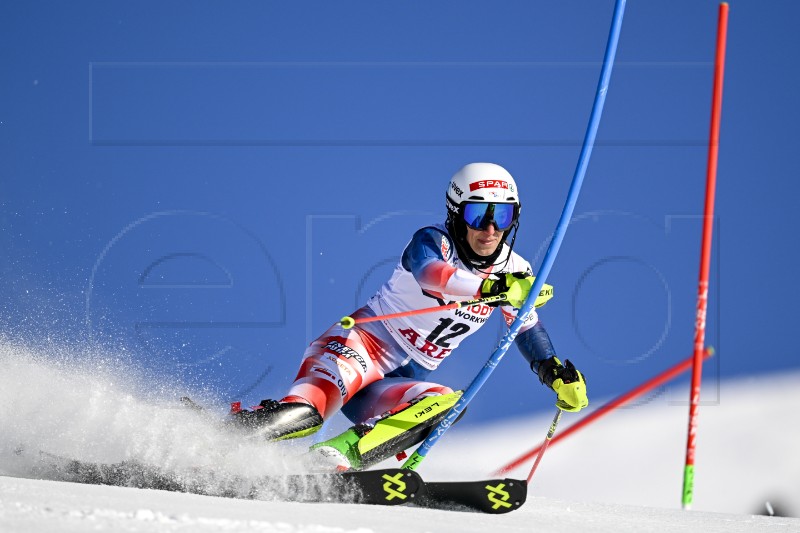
<point>606,408</point>
<point>705,256</point>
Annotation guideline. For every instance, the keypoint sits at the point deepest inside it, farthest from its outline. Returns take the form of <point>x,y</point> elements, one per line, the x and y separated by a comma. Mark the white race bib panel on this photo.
<point>430,337</point>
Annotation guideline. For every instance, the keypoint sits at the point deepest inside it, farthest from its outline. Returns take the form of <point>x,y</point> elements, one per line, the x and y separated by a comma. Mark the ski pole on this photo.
<point>547,263</point>
<point>348,322</point>
<point>547,440</point>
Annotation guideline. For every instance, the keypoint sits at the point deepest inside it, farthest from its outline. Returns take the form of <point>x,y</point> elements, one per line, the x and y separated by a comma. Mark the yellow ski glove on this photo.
<point>567,382</point>
<point>516,285</point>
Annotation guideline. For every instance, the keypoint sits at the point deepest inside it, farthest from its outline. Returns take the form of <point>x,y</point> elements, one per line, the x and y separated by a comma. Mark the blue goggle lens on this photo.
<point>479,216</point>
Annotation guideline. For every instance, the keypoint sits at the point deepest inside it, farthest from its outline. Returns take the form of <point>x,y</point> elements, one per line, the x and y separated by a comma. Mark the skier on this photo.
<point>377,373</point>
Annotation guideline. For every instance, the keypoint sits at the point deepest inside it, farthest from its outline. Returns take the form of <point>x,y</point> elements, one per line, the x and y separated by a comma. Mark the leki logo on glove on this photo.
<point>394,486</point>
<point>498,496</point>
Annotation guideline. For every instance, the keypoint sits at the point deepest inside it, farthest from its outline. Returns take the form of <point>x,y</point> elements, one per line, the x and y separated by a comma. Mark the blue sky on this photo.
<point>202,189</point>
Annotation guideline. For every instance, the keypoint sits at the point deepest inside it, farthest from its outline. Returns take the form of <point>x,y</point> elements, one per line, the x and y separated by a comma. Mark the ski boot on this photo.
<point>278,421</point>
<point>364,445</point>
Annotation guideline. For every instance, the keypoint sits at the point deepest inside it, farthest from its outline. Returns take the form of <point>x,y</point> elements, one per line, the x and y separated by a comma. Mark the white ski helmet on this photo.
<point>480,194</point>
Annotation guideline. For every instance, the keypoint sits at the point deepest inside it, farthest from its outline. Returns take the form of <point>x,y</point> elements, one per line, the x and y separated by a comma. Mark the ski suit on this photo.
<point>375,367</point>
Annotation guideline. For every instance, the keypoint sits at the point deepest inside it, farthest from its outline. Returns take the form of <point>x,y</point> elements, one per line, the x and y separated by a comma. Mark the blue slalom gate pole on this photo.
<point>566,215</point>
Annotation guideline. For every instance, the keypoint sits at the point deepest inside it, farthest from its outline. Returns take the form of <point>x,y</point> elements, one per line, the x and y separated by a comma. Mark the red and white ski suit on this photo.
<point>374,367</point>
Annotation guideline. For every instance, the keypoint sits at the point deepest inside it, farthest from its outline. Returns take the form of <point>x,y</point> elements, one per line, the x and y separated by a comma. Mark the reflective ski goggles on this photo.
<point>478,216</point>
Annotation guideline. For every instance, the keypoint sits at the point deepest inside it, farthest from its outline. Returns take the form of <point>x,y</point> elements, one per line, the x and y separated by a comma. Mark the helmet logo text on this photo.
<point>488,184</point>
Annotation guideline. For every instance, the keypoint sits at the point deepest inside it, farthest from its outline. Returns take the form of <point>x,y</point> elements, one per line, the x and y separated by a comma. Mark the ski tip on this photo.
<point>492,496</point>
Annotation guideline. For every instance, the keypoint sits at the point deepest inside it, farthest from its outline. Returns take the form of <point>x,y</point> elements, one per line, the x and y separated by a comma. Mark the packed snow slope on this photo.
<point>621,474</point>
<point>36,506</point>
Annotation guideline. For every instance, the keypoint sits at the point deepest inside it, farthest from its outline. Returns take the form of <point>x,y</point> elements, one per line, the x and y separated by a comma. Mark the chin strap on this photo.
<point>497,253</point>
<point>475,261</point>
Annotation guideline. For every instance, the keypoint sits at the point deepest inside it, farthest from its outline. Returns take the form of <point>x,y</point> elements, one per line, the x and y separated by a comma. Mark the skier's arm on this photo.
<point>424,258</point>
<point>535,345</point>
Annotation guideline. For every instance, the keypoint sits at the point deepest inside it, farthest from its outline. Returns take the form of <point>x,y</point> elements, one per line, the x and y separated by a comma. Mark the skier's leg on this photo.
<point>397,413</point>
<point>334,368</point>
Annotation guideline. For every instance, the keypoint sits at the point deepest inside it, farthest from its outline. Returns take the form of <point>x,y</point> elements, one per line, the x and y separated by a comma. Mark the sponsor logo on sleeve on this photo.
<point>445,247</point>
